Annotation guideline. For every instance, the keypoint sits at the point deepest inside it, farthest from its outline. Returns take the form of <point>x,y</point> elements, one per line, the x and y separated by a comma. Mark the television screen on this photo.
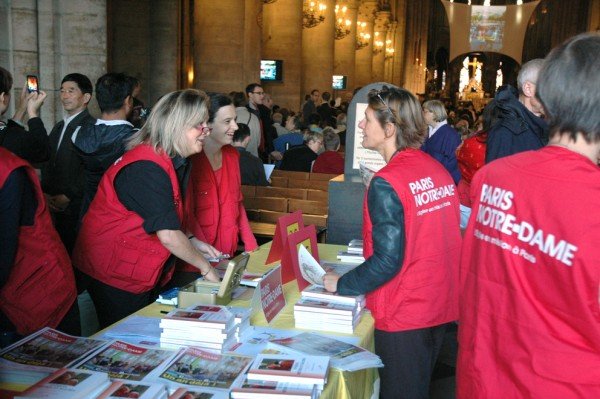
<point>339,82</point>
<point>271,70</point>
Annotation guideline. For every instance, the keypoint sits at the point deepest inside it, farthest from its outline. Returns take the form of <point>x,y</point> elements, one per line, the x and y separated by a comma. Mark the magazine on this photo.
<point>290,368</point>
<point>68,384</point>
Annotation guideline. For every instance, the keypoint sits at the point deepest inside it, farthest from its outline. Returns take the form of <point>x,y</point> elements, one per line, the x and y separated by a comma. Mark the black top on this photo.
<point>298,158</point>
<point>144,187</point>
<point>17,208</point>
<point>33,145</point>
<point>252,170</point>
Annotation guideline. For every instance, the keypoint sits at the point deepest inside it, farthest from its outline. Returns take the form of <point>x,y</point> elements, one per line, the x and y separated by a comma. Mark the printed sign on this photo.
<point>272,300</point>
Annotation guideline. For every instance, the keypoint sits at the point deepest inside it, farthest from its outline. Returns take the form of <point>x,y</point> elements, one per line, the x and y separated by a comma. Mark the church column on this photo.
<point>281,40</point>
<point>380,36</point>
<point>390,51</point>
<point>398,77</point>
<point>417,20</point>
<point>226,51</point>
<point>364,55</point>
<point>317,52</point>
<point>345,49</point>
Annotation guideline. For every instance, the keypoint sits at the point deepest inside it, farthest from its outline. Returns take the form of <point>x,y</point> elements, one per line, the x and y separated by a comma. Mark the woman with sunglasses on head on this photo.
<point>132,233</point>
<point>215,212</point>
<point>411,246</point>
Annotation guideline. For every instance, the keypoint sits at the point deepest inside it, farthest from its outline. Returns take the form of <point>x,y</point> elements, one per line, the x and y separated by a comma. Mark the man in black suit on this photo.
<point>62,175</point>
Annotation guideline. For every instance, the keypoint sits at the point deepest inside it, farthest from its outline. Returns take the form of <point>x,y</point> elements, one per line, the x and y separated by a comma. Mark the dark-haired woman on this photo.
<point>215,212</point>
<point>411,246</point>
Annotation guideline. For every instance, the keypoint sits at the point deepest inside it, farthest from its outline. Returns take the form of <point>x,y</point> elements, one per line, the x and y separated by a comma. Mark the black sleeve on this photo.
<point>33,145</point>
<point>387,216</point>
<point>17,208</point>
<point>498,144</point>
<point>144,187</point>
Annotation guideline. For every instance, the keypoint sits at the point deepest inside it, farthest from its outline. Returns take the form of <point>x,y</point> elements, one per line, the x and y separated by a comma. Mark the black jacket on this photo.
<point>99,147</point>
<point>516,129</point>
<point>33,145</point>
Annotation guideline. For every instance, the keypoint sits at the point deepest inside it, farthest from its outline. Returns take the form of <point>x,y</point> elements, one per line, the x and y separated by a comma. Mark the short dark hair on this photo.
<point>6,81</point>
<point>83,82</point>
<point>569,88</point>
<point>250,88</point>
<point>111,91</point>
<point>331,140</point>
<point>217,101</point>
<point>242,132</point>
<point>326,96</point>
<point>239,100</point>
<point>313,91</point>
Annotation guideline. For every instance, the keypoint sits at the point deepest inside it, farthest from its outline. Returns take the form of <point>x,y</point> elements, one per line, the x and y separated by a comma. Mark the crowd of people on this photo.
<point>128,204</point>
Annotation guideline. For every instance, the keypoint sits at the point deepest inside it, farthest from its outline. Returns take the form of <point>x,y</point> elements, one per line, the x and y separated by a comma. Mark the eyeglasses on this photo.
<point>260,93</point>
<point>204,129</point>
<point>384,103</point>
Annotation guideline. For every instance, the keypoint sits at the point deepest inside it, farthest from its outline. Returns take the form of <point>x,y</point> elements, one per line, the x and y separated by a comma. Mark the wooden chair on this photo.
<point>284,192</point>
<point>279,181</point>
<point>248,191</point>
<point>291,174</point>
<point>277,204</point>
<point>322,185</point>
<point>317,195</point>
<point>323,176</point>
<point>308,207</point>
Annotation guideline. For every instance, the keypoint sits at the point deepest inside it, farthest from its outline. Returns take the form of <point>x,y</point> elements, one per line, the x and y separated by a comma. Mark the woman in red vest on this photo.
<point>215,212</point>
<point>411,246</point>
<point>133,231</point>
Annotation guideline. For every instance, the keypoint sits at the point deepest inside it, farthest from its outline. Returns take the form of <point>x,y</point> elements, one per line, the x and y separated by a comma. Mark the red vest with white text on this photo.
<point>530,279</point>
<point>425,291</point>
<point>112,246</point>
<point>41,286</point>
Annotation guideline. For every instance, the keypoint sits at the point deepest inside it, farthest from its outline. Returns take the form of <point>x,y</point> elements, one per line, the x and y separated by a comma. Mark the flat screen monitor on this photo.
<point>271,70</point>
<point>339,82</point>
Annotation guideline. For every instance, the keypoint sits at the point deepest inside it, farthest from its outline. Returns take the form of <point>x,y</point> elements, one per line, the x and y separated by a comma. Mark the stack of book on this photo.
<point>354,252</point>
<point>355,247</point>
<point>280,375</point>
<point>67,383</point>
<point>324,315</point>
<point>242,319</point>
<point>210,327</point>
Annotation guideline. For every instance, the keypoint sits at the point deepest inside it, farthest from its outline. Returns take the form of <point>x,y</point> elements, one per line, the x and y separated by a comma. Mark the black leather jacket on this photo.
<point>387,217</point>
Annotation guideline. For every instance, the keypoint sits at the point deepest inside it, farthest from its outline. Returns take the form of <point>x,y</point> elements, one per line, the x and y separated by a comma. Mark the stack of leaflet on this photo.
<point>139,390</point>
<point>354,253</point>
<point>209,327</point>
<point>280,375</point>
<point>68,384</point>
<point>323,315</point>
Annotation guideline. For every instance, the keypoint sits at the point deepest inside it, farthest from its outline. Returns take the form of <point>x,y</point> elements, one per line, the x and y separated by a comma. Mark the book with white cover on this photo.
<point>125,361</point>
<point>68,383</point>
<point>175,343</point>
<point>348,257</point>
<point>181,318</point>
<point>314,305</point>
<point>344,356</point>
<point>355,246</point>
<point>139,390</point>
<point>290,368</point>
<point>197,393</point>
<point>320,293</point>
<point>259,389</point>
<point>195,367</point>
<point>206,336</point>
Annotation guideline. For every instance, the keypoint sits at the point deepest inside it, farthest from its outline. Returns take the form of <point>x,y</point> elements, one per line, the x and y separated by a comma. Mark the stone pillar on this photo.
<point>52,39</point>
<point>227,44</point>
<point>399,44</point>
<point>364,56</point>
<point>317,52</point>
<point>417,20</point>
<point>281,40</point>
<point>382,21</point>
<point>390,52</point>
<point>345,50</point>
<point>163,58</point>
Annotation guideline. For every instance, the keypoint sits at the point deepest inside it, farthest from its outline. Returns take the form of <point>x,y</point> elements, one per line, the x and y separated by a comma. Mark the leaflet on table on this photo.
<point>311,269</point>
<point>138,390</point>
<point>68,383</point>
<point>320,293</point>
<point>47,350</point>
<point>290,368</point>
<point>344,356</point>
<point>138,330</point>
<point>197,393</point>
<point>256,339</point>
<point>194,367</point>
<point>260,389</point>
<point>125,361</point>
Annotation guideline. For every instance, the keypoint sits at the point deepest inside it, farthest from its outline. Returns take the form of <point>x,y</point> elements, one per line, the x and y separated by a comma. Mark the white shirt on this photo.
<point>67,119</point>
<point>432,130</point>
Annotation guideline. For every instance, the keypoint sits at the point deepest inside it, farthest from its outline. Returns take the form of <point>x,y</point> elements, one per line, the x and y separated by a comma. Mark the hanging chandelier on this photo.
<point>312,13</point>
<point>362,38</point>
<point>342,25</point>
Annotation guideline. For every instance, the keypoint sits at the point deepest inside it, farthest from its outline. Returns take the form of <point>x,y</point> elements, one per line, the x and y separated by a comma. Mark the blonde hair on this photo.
<point>173,115</point>
<point>401,108</point>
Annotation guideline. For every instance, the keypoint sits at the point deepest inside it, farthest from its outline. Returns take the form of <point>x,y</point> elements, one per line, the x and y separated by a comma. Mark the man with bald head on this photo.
<point>520,125</point>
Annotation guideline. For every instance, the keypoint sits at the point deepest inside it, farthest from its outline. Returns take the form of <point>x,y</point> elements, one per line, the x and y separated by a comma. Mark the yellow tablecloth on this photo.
<point>342,385</point>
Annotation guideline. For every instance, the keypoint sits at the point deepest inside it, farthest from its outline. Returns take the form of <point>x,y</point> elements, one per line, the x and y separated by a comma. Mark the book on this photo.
<point>259,389</point>
<point>216,318</point>
<point>135,330</point>
<point>344,356</point>
<point>196,393</point>
<point>330,308</point>
<point>139,390</point>
<point>290,368</point>
<point>355,246</point>
<point>67,383</point>
<point>317,292</point>
<point>348,257</point>
<point>126,361</point>
<point>194,367</point>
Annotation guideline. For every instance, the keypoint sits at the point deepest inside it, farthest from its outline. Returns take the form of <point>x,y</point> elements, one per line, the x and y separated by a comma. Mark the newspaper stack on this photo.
<point>323,315</point>
<point>209,327</point>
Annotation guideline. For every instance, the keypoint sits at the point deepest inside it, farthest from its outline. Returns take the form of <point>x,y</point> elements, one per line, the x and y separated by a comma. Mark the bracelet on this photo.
<point>204,274</point>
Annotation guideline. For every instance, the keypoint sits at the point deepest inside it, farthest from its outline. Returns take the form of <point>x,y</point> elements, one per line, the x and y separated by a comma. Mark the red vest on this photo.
<point>530,276</point>
<point>424,292</point>
<point>41,286</point>
<point>112,245</point>
<point>213,210</point>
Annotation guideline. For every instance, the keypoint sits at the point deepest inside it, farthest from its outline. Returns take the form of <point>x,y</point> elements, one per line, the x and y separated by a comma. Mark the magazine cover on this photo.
<point>68,383</point>
<point>126,389</point>
<point>47,349</point>
<point>127,361</point>
<point>195,367</point>
<point>186,393</point>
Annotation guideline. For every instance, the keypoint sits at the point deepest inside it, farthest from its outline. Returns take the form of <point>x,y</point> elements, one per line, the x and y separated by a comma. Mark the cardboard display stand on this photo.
<point>290,269</point>
<point>286,225</point>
